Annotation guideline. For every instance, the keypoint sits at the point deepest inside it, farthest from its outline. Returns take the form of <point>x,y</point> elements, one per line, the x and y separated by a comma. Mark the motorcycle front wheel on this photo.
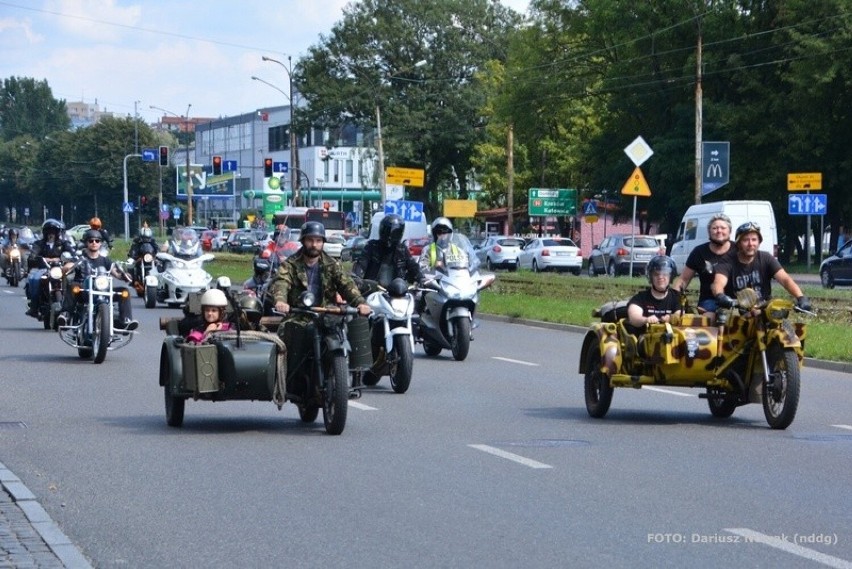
<point>461,338</point>
<point>336,393</point>
<point>596,385</point>
<point>781,397</point>
<point>100,333</point>
<point>150,296</point>
<point>401,379</point>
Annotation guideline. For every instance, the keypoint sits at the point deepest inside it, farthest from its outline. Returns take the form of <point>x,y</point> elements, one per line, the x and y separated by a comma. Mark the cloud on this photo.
<point>95,20</point>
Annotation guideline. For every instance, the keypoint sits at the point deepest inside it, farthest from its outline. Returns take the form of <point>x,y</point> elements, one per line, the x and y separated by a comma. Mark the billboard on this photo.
<point>205,184</point>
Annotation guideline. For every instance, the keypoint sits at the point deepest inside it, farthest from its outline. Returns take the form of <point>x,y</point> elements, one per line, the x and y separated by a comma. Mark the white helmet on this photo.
<point>214,297</point>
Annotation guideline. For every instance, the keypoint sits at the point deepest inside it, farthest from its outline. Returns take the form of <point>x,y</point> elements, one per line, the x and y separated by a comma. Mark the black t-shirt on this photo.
<point>705,262</point>
<point>757,275</point>
<point>651,306</point>
<point>89,266</point>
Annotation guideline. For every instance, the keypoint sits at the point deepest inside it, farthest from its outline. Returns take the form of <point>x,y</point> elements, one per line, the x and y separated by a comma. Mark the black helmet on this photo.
<point>261,265</point>
<point>748,227</point>
<point>391,229</point>
<point>53,225</point>
<point>91,234</point>
<point>312,229</point>
<point>660,264</point>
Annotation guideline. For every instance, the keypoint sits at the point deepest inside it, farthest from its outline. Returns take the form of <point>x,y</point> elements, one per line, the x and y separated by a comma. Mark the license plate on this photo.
<point>643,257</point>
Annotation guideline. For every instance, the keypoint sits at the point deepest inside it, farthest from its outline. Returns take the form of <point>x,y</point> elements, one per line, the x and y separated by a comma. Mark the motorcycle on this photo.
<point>52,290</point>
<point>752,353</point>
<point>14,263</point>
<point>141,267</point>
<point>446,314</point>
<point>179,272</point>
<point>253,365</point>
<point>91,330</point>
<point>391,338</point>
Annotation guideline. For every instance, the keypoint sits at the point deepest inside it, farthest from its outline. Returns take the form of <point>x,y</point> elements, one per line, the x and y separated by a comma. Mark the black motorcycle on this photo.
<point>52,291</point>
<point>14,263</point>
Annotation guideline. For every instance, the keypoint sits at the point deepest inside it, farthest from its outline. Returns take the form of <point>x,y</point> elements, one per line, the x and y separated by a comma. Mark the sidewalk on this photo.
<point>28,537</point>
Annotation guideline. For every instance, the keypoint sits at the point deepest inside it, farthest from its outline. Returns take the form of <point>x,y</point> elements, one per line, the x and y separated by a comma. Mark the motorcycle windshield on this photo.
<point>459,254</point>
<point>186,244</point>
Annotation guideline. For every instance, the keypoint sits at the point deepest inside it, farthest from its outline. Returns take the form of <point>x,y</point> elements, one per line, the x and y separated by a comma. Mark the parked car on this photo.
<point>499,251</point>
<point>837,269</point>
<point>76,232</point>
<point>221,239</point>
<point>352,248</point>
<point>415,245</point>
<point>551,253</point>
<point>207,239</point>
<point>334,246</point>
<point>612,256</point>
<point>242,241</point>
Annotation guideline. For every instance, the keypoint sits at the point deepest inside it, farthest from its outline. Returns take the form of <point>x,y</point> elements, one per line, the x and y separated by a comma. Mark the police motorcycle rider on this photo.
<point>433,255</point>
<point>312,270</point>
<point>386,258</point>
<point>49,248</point>
<point>91,260</point>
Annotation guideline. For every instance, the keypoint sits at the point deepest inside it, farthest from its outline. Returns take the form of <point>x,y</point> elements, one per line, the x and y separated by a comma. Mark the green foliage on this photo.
<point>27,108</point>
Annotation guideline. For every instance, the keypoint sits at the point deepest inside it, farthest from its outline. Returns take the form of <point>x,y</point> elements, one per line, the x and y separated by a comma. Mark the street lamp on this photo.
<point>188,177</point>
<point>294,155</point>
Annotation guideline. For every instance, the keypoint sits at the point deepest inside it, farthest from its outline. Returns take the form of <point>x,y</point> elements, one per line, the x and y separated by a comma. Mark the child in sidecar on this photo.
<point>213,305</point>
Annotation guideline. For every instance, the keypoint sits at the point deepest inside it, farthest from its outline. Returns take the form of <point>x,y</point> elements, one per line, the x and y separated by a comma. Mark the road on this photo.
<point>490,462</point>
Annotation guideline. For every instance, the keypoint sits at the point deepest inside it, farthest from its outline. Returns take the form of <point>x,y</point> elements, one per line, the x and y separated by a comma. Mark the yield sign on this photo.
<point>636,185</point>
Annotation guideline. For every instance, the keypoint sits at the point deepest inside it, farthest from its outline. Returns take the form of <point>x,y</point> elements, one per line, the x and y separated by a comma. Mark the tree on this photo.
<point>27,107</point>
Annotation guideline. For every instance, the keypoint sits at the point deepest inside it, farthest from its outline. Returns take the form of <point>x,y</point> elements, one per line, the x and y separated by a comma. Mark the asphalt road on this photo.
<point>490,462</point>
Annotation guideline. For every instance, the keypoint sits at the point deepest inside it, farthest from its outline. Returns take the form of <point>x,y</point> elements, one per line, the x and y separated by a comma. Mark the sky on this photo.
<point>130,55</point>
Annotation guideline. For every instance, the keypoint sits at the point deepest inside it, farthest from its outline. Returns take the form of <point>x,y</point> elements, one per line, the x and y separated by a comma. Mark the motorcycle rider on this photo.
<point>386,258</point>
<point>262,266</point>
<point>753,268</point>
<point>95,223</point>
<point>10,241</point>
<point>657,303</point>
<point>48,248</point>
<point>90,261</point>
<point>704,260</point>
<point>143,243</point>
<point>434,255</point>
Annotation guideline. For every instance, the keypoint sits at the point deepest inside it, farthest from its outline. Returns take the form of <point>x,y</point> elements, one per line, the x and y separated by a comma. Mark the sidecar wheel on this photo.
<point>174,405</point>
<point>461,338</point>
<point>150,296</point>
<point>722,404</point>
<point>308,413</point>
<point>336,396</point>
<point>100,335</point>
<point>596,385</point>
<point>401,380</point>
<point>431,349</point>
<point>370,379</point>
<point>781,400</point>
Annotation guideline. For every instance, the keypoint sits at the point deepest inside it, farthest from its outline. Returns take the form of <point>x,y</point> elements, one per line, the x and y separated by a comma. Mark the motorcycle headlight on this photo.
<point>777,310</point>
<point>102,282</point>
<point>55,273</point>
<point>14,254</point>
<point>400,305</point>
<point>180,265</point>
<point>148,258</point>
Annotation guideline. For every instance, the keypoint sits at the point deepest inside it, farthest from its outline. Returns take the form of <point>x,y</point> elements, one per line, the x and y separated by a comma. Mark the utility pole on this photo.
<point>510,181</point>
<point>698,116</point>
<point>382,182</point>
<point>188,177</point>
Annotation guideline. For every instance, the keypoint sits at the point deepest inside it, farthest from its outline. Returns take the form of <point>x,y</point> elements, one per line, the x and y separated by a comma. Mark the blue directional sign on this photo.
<point>280,167</point>
<point>127,207</point>
<point>715,165</point>
<point>807,204</point>
<point>590,208</point>
<point>150,154</point>
<point>408,211</point>
<point>229,165</point>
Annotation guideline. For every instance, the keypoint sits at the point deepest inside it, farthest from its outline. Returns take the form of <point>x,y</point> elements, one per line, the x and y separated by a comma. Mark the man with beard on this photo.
<point>704,260</point>
<point>753,268</point>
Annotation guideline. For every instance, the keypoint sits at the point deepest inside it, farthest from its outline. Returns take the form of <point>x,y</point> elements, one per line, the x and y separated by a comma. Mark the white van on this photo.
<point>413,229</point>
<point>693,227</point>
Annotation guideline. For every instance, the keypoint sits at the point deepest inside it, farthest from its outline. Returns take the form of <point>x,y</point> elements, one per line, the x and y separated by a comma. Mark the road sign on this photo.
<point>810,204</point>
<point>546,201</point>
<point>804,181</point>
<point>715,165</point>
<point>127,207</point>
<point>638,151</point>
<point>229,165</point>
<point>405,176</point>
<point>280,167</point>
<point>590,208</point>
<point>176,213</point>
<point>459,208</point>
<point>591,219</point>
<point>150,154</point>
<point>408,211</point>
<point>636,185</point>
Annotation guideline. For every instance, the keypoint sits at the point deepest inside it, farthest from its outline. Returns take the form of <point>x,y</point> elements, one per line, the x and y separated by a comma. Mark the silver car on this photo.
<point>613,255</point>
<point>551,254</point>
<point>500,252</point>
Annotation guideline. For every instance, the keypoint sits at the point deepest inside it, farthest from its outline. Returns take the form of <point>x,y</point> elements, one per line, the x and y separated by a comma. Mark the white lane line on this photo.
<point>669,391</point>
<point>509,456</point>
<point>847,427</point>
<point>790,547</point>
<point>511,361</point>
<point>362,407</point>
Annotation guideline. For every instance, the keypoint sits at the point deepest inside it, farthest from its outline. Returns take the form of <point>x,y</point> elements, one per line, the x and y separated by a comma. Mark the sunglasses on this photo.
<point>94,241</point>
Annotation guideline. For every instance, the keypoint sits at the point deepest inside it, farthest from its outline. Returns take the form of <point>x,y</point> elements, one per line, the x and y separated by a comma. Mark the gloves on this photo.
<point>804,303</point>
<point>725,301</point>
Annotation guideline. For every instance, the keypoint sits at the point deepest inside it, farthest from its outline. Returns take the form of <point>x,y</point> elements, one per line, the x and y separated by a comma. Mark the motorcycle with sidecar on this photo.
<point>751,353</point>
<point>252,363</point>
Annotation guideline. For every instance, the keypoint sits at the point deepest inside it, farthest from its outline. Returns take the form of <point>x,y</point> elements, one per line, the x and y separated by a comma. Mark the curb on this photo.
<point>67,553</point>
<point>842,367</point>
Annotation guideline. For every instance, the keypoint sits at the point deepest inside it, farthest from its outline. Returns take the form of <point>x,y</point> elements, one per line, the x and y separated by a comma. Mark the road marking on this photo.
<point>362,407</point>
<point>847,427</point>
<point>669,391</point>
<point>510,456</point>
<point>790,547</point>
<point>511,361</point>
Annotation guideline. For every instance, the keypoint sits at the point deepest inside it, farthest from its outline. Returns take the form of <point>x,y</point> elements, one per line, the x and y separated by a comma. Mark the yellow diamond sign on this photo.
<point>636,185</point>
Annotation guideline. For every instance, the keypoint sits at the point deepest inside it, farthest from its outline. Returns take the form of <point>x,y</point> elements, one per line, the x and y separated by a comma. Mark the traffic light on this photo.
<point>217,165</point>
<point>164,156</point>
<point>267,167</point>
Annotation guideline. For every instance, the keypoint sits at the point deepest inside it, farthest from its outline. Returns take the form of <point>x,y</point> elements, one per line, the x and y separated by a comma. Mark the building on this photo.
<point>85,114</point>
